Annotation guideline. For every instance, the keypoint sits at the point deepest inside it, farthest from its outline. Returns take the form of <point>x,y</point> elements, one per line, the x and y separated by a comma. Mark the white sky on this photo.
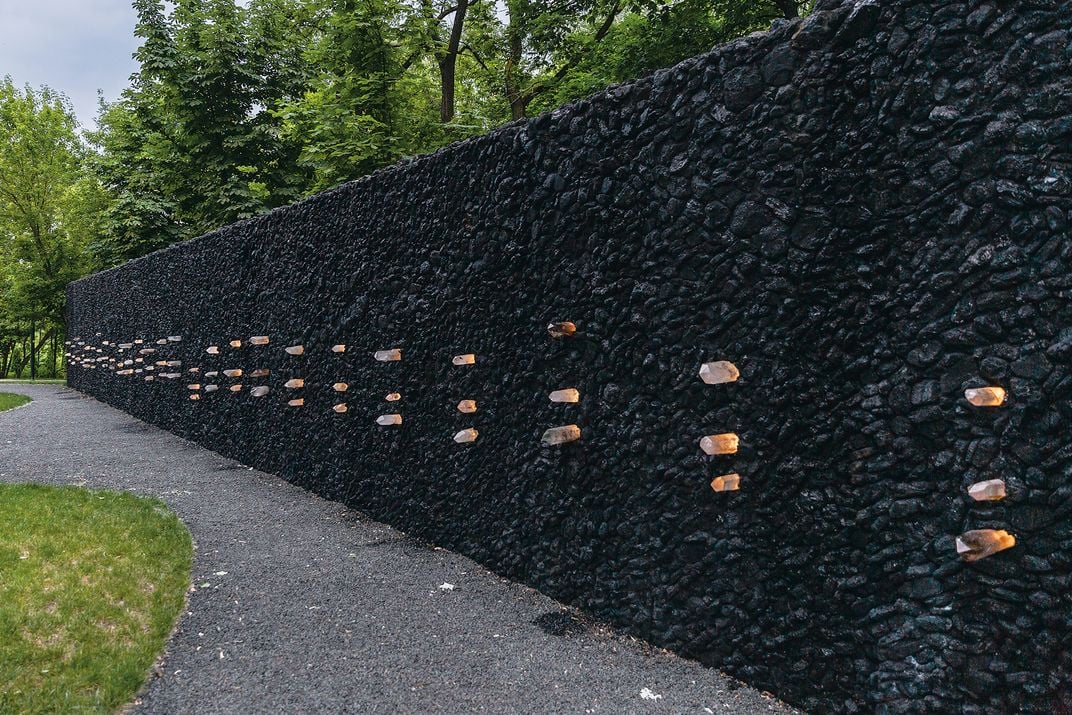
<point>74,46</point>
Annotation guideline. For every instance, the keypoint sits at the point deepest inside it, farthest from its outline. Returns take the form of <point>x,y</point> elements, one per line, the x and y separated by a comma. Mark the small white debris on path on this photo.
<point>446,586</point>
<point>646,694</point>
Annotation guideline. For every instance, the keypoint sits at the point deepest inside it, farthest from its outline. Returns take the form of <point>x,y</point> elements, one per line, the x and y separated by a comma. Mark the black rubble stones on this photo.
<point>867,211</point>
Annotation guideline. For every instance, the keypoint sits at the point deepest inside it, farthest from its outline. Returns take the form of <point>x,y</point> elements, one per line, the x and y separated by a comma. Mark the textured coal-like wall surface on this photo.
<point>867,211</point>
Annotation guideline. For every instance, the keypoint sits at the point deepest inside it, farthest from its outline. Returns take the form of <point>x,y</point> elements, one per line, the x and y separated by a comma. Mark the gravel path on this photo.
<point>302,605</point>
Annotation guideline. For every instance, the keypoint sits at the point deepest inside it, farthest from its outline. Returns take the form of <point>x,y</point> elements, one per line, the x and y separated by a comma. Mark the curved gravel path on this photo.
<point>302,605</point>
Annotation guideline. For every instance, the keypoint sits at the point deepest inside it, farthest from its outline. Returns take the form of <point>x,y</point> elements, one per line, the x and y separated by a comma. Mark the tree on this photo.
<point>190,146</point>
<point>44,236</point>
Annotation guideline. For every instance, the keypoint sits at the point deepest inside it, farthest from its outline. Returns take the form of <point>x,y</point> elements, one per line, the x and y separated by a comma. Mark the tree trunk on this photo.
<point>33,350</point>
<point>518,103</point>
<point>788,8</point>
<point>448,64</point>
<point>27,352</point>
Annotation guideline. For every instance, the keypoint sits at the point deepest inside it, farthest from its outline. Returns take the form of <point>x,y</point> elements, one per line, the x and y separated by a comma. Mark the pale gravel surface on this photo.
<point>301,605</point>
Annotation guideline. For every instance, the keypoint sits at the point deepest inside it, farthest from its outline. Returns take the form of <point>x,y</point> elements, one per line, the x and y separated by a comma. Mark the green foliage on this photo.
<point>93,583</point>
<point>49,217</point>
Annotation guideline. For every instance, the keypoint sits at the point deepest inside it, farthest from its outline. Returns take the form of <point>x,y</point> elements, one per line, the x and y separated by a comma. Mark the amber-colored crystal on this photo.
<point>980,543</point>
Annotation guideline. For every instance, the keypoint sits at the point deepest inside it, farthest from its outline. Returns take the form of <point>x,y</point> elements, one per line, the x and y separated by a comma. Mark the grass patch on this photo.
<point>9,401</point>
<point>91,583</point>
<point>42,381</point>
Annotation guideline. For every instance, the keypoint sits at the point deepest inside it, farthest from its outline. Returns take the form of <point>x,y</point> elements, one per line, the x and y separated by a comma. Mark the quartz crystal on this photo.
<point>261,372</point>
<point>726,483</point>
<point>126,346</point>
<point>467,406</point>
<point>338,348</point>
<point>235,388</point>
<point>568,394</point>
<point>561,330</point>
<point>389,420</point>
<point>467,359</point>
<point>194,386</point>
<point>340,387</point>
<point>990,490</point>
<point>174,338</point>
<point>716,373</point>
<point>259,340</point>
<point>212,350</point>
<point>211,388</point>
<point>236,372</point>
<point>340,408</point>
<point>720,443</point>
<point>466,436</point>
<point>295,350</point>
<point>235,343</point>
<point>195,396</point>
<point>393,396</point>
<point>162,341</point>
<point>294,382</point>
<point>391,355</point>
<point>980,543</point>
<point>211,373</point>
<point>985,396</point>
<point>296,402</point>
<point>259,391</point>
<point>561,435</point>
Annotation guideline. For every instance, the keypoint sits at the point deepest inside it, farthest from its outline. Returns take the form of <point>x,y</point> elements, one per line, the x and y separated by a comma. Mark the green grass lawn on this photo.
<point>9,401</point>
<point>91,583</point>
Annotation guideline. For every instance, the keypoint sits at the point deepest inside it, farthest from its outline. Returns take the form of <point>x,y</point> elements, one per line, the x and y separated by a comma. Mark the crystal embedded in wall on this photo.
<point>467,406</point>
<point>989,490</point>
<point>259,340</point>
<point>386,420</point>
<point>340,387</point>
<point>466,359</point>
<point>980,543</point>
<point>726,483</point>
<point>568,394</point>
<point>340,408</point>
<point>392,355</point>
<point>561,435</point>
<point>393,396</point>
<point>259,391</point>
<point>562,329</point>
<point>985,396</point>
<point>294,383</point>
<point>298,402</point>
<point>719,372</point>
<point>295,350</point>
<point>725,443</point>
<point>466,435</point>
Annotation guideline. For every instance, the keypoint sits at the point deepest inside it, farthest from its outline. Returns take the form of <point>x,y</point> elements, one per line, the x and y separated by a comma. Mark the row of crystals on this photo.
<point>972,545</point>
<point>980,543</point>
<point>719,373</point>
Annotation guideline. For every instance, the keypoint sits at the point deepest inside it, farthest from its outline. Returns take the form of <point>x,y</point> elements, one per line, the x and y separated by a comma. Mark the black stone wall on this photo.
<point>867,211</point>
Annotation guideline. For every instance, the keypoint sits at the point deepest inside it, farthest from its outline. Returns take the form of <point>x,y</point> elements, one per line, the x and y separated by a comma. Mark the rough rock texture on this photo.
<point>867,211</point>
